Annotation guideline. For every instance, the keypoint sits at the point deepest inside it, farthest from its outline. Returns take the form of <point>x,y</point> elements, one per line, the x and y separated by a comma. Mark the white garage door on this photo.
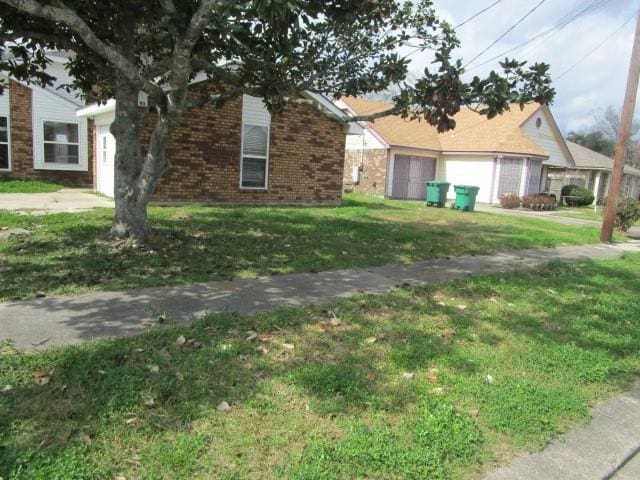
<point>105,152</point>
<point>468,171</point>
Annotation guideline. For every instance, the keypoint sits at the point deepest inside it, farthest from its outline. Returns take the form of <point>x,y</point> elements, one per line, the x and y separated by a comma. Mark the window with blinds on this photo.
<point>255,147</point>
<point>254,166</point>
<point>4,143</point>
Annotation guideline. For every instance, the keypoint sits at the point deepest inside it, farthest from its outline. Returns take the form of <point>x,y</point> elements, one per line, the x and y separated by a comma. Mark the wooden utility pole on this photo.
<point>606,235</point>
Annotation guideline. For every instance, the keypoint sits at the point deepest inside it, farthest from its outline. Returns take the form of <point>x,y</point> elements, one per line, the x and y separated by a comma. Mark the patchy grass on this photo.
<point>27,186</point>
<point>71,253</point>
<point>439,382</point>
<point>585,213</point>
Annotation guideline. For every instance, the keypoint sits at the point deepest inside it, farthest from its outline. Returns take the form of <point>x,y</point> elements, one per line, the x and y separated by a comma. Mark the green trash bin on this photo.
<point>465,197</point>
<point>437,193</point>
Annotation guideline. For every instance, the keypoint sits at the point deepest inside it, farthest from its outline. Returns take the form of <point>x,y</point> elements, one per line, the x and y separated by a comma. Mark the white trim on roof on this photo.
<point>97,109</point>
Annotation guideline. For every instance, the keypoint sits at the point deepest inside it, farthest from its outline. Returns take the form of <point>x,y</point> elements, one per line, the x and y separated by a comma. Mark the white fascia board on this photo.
<point>498,154</point>
<point>94,109</point>
<point>351,128</point>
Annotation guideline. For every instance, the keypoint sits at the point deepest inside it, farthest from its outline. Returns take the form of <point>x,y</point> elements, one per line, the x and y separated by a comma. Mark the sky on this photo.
<point>595,83</point>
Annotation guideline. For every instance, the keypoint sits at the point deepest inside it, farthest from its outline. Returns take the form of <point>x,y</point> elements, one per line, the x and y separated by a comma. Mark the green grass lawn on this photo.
<point>27,186</point>
<point>440,382</point>
<point>71,253</point>
<point>584,213</point>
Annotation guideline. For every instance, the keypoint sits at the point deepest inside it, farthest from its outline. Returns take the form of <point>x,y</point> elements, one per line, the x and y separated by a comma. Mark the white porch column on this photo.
<point>524,177</point>
<point>596,187</point>
<point>496,180</point>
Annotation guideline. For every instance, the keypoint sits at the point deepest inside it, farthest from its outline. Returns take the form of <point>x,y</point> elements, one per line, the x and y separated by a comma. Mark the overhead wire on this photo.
<point>597,47</point>
<point>509,30</point>
<point>477,14</point>
<point>567,19</point>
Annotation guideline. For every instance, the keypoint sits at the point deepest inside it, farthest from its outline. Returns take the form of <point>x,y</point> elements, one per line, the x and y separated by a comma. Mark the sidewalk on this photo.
<point>66,320</point>
<point>605,448</point>
<point>550,216</point>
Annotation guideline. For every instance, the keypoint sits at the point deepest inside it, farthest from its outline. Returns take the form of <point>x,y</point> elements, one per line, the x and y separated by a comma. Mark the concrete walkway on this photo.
<point>550,216</point>
<point>66,320</point>
<point>606,448</point>
<point>65,200</point>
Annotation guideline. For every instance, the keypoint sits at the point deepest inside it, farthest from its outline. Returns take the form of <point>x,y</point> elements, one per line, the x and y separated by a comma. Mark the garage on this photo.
<point>410,173</point>
<point>467,170</point>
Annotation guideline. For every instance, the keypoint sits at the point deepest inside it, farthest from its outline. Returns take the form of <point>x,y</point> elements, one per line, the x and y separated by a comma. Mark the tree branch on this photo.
<point>67,16</point>
<point>168,6</point>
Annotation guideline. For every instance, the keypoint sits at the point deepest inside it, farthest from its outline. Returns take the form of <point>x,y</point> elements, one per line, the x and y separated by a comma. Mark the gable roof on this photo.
<point>587,159</point>
<point>473,132</point>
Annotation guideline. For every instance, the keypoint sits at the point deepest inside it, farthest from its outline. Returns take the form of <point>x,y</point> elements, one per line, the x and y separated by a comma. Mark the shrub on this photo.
<point>627,213</point>
<point>579,196</point>
<point>539,202</point>
<point>510,201</point>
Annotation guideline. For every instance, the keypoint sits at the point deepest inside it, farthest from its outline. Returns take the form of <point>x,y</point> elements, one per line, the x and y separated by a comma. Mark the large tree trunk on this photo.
<point>131,208</point>
<point>137,175</point>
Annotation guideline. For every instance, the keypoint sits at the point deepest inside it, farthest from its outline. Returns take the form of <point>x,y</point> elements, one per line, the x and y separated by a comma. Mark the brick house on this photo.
<point>240,153</point>
<point>40,135</point>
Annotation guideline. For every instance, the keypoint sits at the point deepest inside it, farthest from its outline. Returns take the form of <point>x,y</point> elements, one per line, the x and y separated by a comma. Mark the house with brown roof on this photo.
<point>509,154</point>
<point>592,170</point>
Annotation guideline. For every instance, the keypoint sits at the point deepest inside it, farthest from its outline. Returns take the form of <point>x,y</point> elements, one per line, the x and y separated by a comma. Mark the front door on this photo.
<point>410,173</point>
<point>105,150</point>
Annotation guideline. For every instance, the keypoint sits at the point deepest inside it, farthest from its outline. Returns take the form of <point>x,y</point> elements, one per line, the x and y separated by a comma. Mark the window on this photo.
<point>4,143</point>
<point>255,154</point>
<point>61,144</point>
<point>104,149</point>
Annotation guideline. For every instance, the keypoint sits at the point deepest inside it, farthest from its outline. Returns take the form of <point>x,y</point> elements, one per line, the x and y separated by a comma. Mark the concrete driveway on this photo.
<point>65,200</point>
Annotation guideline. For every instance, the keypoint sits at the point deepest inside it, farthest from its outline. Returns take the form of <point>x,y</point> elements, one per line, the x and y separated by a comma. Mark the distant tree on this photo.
<point>595,140</point>
<point>273,49</point>
<point>603,134</point>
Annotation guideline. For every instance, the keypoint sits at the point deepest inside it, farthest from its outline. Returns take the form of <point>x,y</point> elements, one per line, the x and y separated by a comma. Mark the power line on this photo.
<point>597,47</point>
<point>477,14</point>
<point>506,32</point>
<point>564,21</point>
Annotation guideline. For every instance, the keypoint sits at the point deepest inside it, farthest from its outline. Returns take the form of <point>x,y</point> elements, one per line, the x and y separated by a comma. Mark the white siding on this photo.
<point>366,141</point>
<point>254,111</point>
<point>546,137</point>
<point>48,106</point>
<point>476,171</point>
<point>57,70</point>
<point>4,100</point>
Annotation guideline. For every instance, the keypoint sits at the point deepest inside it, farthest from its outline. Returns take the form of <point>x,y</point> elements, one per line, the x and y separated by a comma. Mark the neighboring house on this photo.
<point>40,135</point>
<point>240,153</point>
<point>509,154</point>
<point>593,171</point>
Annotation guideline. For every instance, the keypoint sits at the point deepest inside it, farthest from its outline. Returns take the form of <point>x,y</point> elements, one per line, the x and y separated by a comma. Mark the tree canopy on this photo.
<point>602,135</point>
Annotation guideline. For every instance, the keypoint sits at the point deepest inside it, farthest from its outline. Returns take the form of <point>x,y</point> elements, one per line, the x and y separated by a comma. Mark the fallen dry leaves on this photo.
<point>42,377</point>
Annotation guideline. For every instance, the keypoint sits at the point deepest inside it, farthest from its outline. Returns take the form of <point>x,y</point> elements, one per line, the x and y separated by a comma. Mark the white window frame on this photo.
<point>53,165</point>
<point>266,158</point>
<point>7,143</point>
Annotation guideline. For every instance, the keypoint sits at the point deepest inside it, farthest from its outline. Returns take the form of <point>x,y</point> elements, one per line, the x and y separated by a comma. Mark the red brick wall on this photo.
<point>373,174</point>
<point>306,158</point>
<point>21,143</point>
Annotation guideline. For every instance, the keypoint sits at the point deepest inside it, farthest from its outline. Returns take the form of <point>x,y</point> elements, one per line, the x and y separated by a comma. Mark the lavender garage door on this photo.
<point>534,177</point>
<point>510,176</point>
<point>410,173</point>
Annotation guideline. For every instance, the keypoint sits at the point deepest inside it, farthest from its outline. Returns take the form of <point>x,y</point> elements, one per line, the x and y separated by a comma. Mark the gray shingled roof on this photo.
<point>587,159</point>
